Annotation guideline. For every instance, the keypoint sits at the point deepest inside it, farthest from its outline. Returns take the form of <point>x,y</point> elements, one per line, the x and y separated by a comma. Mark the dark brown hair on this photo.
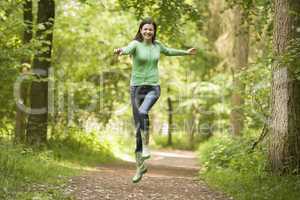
<point>139,36</point>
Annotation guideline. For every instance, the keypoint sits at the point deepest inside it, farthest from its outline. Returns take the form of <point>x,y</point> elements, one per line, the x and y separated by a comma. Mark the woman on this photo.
<point>144,85</point>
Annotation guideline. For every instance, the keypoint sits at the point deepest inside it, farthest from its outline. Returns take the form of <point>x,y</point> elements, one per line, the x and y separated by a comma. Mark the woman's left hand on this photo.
<point>192,51</point>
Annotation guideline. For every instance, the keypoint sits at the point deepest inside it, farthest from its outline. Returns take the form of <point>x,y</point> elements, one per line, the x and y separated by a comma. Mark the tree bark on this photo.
<point>192,126</point>
<point>239,61</point>
<point>28,21</point>
<point>284,140</point>
<point>38,117</point>
<point>21,116</point>
<point>170,121</point>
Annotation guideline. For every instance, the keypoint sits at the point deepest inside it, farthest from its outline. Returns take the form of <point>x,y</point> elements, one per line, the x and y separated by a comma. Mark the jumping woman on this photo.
<point>144,84</point>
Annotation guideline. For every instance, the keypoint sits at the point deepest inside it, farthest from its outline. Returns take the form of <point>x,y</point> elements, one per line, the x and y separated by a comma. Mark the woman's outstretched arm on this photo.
<point>175,52</point>
<point>126,50</point>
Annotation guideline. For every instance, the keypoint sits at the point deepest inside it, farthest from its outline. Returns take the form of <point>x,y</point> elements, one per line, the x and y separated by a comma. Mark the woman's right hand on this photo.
<point>192,51</point>
<point>118,51</point>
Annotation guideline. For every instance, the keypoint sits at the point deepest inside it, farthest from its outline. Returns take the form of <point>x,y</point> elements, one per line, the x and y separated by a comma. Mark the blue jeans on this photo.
<point>143,97</point>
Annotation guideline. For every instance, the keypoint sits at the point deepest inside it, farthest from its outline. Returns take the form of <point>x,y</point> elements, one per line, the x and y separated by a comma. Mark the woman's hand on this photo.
<point>192,51</point>
<point>118,51</point>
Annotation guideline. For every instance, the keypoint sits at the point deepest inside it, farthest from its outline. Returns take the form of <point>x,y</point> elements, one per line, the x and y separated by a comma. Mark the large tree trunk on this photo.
<point>284,141</point>
<point>37,122</point>
<point>20,114</point>
<point>239,61</point>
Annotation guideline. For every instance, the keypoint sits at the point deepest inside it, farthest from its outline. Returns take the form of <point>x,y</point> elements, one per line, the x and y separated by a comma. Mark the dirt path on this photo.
<point>171,175</point>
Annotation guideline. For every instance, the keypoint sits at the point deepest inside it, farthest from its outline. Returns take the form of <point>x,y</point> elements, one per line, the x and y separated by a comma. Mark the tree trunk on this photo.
<point>170,121</point>
<point>284,140</point>
<point>239,61</point>
<point>192,126</point>
<point>20,114</point>
<point>28,21</point>
<point>37,122</point>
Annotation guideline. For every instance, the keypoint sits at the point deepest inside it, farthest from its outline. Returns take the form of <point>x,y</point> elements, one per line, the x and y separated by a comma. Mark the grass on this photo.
<point>42,174</point>
<point>229,166</point>
<point>22,169</point>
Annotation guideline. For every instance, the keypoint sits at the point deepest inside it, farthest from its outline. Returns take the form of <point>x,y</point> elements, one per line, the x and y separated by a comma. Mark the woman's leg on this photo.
<point>136,101</point>
<point>142,100</point>
<point>152,95</point>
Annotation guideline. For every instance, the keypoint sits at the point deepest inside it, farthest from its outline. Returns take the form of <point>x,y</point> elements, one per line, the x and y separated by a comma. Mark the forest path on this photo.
<point>171,175</point>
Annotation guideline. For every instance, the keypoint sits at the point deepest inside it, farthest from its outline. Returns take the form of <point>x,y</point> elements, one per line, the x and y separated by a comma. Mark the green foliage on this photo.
<point>259,17</point>
<point>29,173</point>
<point>180,140</point>
<point>85,68</point>
<point>234,153</point>
<point>257,79</point>
<point>254,7</point>
<point>290,58</point>
<point>230,165</point>
<point>168,14</point>
<point>204,106</point>
<point>11,52</point>
<point>23,171</point>
<point>81,147</point>
<point>85,73</point>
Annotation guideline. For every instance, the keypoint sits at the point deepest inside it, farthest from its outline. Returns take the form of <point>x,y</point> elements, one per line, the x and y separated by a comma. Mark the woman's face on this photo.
<point>147,32</point>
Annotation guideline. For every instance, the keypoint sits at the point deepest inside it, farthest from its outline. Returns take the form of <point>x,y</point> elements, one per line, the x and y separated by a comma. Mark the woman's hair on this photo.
<point>139,36</point>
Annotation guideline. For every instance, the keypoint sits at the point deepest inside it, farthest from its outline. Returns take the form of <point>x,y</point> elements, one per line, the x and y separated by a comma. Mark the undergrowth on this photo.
<point>180,140</point>
<point>230,165</point>
<point>27,173</point>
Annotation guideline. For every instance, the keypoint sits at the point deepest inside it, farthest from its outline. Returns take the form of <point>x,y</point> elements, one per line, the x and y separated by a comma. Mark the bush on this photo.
<point>27,173</point>
<point>233,153</point>
<point>21,168</point>
<point>78,146</point>
<point>179,141</point>
<point>230,165</point>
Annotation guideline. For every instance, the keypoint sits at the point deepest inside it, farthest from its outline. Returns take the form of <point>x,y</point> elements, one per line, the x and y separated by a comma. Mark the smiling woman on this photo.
<point>147,32</point>
<point>145,88</point>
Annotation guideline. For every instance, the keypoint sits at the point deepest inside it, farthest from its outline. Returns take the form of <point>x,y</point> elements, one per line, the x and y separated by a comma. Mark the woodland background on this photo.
<point>237,102</point>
